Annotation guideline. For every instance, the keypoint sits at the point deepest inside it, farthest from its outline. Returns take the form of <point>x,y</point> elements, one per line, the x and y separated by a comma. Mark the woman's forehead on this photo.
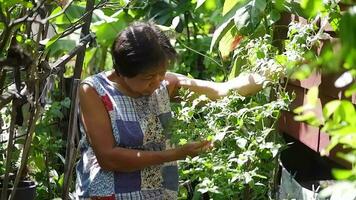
<point>156,70</point>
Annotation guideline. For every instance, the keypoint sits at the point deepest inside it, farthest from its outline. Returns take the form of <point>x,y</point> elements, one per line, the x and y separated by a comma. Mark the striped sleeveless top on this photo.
<point>137,123</point>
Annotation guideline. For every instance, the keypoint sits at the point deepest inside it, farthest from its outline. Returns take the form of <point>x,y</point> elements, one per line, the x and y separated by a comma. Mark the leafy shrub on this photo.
<point>243,161</point>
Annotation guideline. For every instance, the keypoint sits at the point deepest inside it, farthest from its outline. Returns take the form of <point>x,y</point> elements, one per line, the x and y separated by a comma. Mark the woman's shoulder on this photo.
<point>91,80</point>
<point>96,82</point>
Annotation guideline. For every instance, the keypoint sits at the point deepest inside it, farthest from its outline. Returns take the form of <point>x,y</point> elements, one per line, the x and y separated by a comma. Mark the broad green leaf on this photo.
<point>347,130</point>
<point>106,32</point>
<point>312,7</point>
<point>60,47</point>
<point>330,108</point>
<point>351,90</point>
<point>279,4</point>
<point>273,16</point>
<point>341,173</point>
<point>162,12</point>
<point>345,112</point>
<point>235,71</point>
<point>49,42</point>
<point>312,95</point>
<point>61,180</point>
<point>308,117</point>
<point>347,30</point>
<point>333,142</point>
<point>248,17</point>
<point>11,3</point>
<point>348,139</point>
<point>220,32</point>
<point>89,58</point>
<point>72,13</point>
<point>303,72</point>
<point>228,5</point>
<point>199,3</point>
<point>226,41</point>
<point>182,142</point>
<point>210,4</point>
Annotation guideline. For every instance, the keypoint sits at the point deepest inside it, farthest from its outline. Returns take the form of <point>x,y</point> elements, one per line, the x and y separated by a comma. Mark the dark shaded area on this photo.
<point>306,165</point>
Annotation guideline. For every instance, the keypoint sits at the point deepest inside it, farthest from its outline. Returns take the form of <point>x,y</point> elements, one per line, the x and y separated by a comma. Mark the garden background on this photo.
<point>46,47</point>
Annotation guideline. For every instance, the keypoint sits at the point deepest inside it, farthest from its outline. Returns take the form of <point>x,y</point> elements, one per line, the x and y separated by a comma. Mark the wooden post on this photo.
<point>71,150</point>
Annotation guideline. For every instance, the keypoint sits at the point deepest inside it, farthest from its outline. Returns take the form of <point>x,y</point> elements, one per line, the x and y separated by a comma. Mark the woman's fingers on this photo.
<point>195,148</point>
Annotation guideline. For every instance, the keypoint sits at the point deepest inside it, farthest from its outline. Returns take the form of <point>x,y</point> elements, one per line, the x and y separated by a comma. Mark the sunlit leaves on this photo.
<point>303,72</point>
<point>61,47</point>
<point>220,32</point>
<point>348,37</point>
<point>10,3</point>
<point>226,43</point>
<point>199,3</point>
<point>312,7</point>
<point>72,13</point>
<point>351,90</point>
<point>306,112</point>
<point>237,127</point>
<point>330,108</point>
<point>107,31</point>
<point>248,17</point>
<point>228,5</point>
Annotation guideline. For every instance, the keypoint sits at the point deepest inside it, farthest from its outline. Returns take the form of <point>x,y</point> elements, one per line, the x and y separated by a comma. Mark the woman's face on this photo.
<point>146,83</point>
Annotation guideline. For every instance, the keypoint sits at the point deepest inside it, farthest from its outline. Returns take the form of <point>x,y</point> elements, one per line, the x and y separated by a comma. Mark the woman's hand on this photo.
<point>246,84</point>
<point>193,149</point>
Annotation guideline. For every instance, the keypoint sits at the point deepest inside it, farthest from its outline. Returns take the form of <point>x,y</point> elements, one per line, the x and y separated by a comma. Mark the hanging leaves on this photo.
<point>248,17</point>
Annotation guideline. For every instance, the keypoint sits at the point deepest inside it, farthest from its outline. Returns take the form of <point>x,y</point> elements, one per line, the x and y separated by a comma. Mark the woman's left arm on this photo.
<point>245,85</point>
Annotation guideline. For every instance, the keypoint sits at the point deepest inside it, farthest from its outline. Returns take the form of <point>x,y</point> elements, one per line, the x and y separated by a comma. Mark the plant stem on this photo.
<point>9,151</point>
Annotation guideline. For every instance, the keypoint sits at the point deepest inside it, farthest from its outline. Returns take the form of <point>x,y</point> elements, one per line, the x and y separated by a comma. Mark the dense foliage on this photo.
<point>244,156</point>
<point>215,40</point>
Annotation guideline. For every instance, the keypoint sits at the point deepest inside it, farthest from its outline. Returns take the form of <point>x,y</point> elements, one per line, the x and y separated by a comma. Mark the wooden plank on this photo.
<point>313,80</point>
<point>303,132</point>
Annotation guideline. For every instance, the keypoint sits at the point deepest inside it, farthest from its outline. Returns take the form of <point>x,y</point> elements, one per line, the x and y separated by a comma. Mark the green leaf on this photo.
<point>347,31</point>
<point>349,139</point>
<point>273,17</point>
<point>106,31</point>
<point>60,47</point>
<point>347,130</point>
<point>330,108</point>
<point>199,3</point>
<point>303,72</point>
<point>351,90</point>
<point>51,41</point>
<point>73,13</point>
<point>61,180</point>
<point>248,17</point>
<point>312,95</point>
<point>228,5</point>
<point>210,5</point>
<point>182,142</point>
<point>308,117</point>
<point>312,7</point>
<point>220,32</point>
<point>226,41</point>
<point>11,3</point>
<point>341,174</point>
<point>279,4</point>
<point>345,112</point>
<point>235,71</point>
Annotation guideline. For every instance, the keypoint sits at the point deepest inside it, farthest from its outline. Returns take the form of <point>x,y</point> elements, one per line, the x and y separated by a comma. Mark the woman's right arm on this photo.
<point>97,125</point>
